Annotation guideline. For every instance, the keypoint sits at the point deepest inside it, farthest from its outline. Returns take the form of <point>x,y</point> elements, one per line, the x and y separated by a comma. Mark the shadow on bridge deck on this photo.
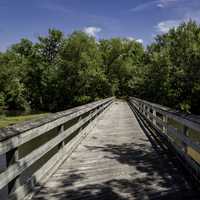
<point>119,160</point>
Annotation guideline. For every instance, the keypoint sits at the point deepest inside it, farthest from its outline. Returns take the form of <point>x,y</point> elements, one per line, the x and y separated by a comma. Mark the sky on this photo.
<point>133,19</point>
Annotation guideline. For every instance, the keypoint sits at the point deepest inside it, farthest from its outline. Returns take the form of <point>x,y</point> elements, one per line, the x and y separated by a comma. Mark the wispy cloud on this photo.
<point>140,41</point>
<point>165,26</point>
<point>152,4</point>
<point>92,30</point>
<point>165,3</point>
<point>54,7</point>
<point>143,6</point>
<point>130,38</point>
<point>137,40</point>
<point>190,12</point>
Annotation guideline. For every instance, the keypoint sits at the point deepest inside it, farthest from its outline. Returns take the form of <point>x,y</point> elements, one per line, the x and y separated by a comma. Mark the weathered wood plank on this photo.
<point>115,161</point>
<point>27,161</point>
<point>50,167</point>
<point>190,121</point>
<point>17,129</point>
<point>25,134</point>
<point>14,177</point>
<point>176,133</point>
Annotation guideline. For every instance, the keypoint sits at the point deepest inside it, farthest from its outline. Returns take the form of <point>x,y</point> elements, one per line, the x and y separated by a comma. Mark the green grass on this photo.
<point>7,121</point>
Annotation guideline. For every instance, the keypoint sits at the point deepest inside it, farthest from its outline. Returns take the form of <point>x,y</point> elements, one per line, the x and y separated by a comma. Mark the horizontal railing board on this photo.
<point>49,168</point>
<point>17,129</point>
<point>170,132</point>
<point>19,134</point>
<point>185,139</point>
<point>25,136</point>
<point>189,120</point>
<point>16,169</point>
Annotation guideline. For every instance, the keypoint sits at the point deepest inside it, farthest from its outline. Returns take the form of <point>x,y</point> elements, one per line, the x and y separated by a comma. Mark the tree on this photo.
<point>12,89</point>
<point>41,71</point>
<point>48,47</point>
<point>81,77</point>
<point>121,57</point>
<point>23,49</point>
<point>58,72</point>
<point>173,71</point>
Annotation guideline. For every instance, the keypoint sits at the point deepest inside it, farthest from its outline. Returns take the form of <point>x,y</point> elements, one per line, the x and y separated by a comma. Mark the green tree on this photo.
<point>12,89</point>
<point>48,47</point>
<point>173,72</point>
<point>121,57</point>
<point>80,73</point>
<point>41,72</point>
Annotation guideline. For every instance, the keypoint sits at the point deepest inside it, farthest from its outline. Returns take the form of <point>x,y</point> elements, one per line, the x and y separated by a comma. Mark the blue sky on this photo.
<point>138,19</point>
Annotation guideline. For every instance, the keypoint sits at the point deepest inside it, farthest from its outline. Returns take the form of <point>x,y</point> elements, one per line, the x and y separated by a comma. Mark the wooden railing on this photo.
<point>32,151</point>
<point>181,131</point>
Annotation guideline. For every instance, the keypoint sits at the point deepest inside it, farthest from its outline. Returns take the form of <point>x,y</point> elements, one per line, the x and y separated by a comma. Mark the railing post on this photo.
<point>148,111</point>
<point>91,112</point>
<point>12,157</point>
<point>139,106</point>
<point>62,144</point>
<point>184,133</point>
<point>79,119</point>
<point>143,109</point>
<point>154,117</point>
<point>3,167</point>
<point>164,124</point>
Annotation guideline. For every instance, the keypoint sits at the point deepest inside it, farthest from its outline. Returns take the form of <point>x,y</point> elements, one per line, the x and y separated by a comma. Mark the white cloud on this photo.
<point>140,41</point>
<point>165,26</point>
<point>143,6</point>
<point>165,3</point>
<point>92,31</point>
<point>152,4</point>
<point>137,40</point>
<point>130,38</point>
<point>189,11</point>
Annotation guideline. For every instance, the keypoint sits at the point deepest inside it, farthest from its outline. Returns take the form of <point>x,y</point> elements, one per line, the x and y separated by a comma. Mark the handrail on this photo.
<point>182,131</point>
<point>31,151</point>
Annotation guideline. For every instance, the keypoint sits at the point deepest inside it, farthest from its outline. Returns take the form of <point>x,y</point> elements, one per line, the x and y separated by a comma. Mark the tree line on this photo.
<point>58,72</point>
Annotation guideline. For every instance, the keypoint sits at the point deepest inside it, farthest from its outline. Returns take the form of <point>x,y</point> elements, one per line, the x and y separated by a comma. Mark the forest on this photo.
<point>58,72</point>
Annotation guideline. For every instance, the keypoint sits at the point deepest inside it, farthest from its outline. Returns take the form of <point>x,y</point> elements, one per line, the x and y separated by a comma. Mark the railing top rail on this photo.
<point>59,138</point>
<point>181,131</point>
<point>192,121</point>
<point>15,130</point>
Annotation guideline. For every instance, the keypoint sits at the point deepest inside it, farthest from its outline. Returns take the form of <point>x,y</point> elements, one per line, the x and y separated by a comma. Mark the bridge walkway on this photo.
<point>117,161</point>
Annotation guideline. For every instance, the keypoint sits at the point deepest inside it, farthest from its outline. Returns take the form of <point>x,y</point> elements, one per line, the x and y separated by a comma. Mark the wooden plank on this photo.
<point>193,154</point>
<point>24,137</point>
<point>187,149</point>
<point>17,129</point>
<point>49,168</point>
<point>182,138</point>
<point>110,164</point>
<point>28,160</point>
<point>186,120</point>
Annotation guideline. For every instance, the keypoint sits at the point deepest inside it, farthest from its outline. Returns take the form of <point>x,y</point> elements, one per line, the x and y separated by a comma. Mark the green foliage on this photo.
<point>48,47</point>
<point>24,48</point>
<point>58,72</point>
<point>79,70</point>
<point>172,74</point>
<point>12,90</point>
<point>120,59</point>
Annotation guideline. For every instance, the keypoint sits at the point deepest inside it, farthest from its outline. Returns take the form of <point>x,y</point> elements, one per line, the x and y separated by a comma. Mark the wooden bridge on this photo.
<point>106,150</point>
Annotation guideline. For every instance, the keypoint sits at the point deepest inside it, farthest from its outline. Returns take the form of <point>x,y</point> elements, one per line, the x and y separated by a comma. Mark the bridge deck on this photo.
<point>116,161</point>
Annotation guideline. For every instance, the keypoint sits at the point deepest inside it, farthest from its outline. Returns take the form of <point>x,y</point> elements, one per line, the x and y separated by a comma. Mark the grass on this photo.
<point>11,120</point>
